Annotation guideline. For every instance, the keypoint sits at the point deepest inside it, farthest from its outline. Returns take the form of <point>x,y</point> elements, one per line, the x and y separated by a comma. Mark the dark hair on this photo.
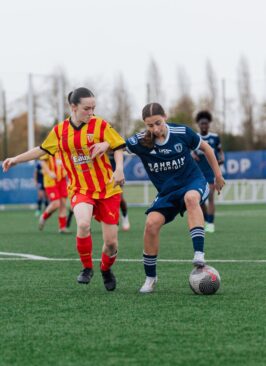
<point>203,115</point>
<point>151,109</point>
<point>75,96</point>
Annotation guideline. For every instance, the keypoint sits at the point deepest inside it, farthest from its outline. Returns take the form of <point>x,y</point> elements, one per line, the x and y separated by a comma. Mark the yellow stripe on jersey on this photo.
<point>85,176</point>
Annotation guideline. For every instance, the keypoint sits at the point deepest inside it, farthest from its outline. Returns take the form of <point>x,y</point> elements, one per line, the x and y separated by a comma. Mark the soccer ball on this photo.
<point>204,280</point>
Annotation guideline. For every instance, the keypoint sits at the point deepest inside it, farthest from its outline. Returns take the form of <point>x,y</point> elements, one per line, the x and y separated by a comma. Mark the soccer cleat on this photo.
<point>85,276</point>
<point>198,259</point>
<point>41,222</point>
<point>209,228</point>
<point>109,280</point>
<point>64,230</point>
<point>125,223</point>
<point>149,285</point>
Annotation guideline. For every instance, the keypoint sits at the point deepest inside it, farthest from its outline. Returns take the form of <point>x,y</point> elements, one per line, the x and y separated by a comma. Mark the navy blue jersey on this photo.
<point>214,141</point>
<point>169,165</point>
<point>39,172</point>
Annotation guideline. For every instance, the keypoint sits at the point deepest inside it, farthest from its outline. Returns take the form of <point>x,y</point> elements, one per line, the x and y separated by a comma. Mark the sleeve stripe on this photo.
<point>48,152</point>
<point>119,147</point>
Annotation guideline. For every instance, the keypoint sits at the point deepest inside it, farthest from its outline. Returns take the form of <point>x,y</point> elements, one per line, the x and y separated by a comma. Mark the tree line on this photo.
<point>117,105</point>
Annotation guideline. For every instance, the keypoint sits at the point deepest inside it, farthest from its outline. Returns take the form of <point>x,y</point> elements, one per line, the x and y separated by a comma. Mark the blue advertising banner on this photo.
<point>17,185</point>
<point>237,165</point>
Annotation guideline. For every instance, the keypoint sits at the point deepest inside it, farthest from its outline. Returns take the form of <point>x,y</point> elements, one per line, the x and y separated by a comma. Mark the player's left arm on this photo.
<point>220,156</point>
<point>208,151</point>
<point>118,176</point>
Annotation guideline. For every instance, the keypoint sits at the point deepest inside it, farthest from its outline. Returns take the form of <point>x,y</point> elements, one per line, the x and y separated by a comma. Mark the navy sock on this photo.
<point>197,236</point>
<point>150,264</point>
<point>211,219</point>
<point>39,205</point>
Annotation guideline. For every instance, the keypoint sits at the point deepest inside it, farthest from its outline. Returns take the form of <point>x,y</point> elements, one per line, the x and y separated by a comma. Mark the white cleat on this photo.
<point>64,230</point>
<point>198,259</point>
<point>209,228</point>
<point>41,223</point>
<point>149,285</point>
<point>125,223</point>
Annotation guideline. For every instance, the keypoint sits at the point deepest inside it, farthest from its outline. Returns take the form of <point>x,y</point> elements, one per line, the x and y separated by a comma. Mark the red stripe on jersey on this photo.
<point>107,166</point>
<point>84,166</point>
<point>103,126</point>
<point>72,172</point>
<point>57,135</point>
<point>98,170</point>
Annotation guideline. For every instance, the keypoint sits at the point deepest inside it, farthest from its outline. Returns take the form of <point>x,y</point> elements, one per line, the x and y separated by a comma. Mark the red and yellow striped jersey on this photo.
<point>55,166</point>
<point>86,176</point>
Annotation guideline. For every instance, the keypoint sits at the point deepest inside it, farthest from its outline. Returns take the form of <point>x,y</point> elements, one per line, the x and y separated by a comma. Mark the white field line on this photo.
<point>21,256</point>
<point>245,213</point>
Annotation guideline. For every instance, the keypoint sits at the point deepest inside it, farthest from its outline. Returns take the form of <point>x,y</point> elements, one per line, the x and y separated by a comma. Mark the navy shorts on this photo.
<point>210,178</point>
<point>173,203</point>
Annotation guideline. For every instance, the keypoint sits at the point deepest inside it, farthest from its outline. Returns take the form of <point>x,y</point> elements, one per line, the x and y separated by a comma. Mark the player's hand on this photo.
<point>52,175</point>
<point>8,163</point>
<point>219,183</point>
<point>118,178</point>
<point>99,149</point>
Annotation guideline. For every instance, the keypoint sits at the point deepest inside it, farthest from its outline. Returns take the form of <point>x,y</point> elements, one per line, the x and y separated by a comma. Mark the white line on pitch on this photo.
<point>127,260</point>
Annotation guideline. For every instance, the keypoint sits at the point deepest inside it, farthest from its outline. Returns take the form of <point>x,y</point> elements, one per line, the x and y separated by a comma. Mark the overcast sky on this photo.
<point>100,38</point>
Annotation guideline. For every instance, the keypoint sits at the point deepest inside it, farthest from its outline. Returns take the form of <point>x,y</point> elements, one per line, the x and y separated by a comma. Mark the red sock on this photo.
<point>45,215</point>
<point>107,261</point>
<point>62,222</point>
<point>84,247</point>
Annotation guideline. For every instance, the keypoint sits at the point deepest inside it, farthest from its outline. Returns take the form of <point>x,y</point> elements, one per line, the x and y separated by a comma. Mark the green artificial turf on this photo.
<point>46,318</point>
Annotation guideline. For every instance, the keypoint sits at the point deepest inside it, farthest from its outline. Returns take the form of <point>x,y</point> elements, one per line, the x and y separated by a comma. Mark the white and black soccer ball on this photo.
<point>204,280</point>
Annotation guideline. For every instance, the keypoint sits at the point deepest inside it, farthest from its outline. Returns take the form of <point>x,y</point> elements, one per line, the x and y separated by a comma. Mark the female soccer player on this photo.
<point>55,183</point>
<point>203,119</point>
<point>94,189</point>
<point>41,195</point>
<point>165,151</point>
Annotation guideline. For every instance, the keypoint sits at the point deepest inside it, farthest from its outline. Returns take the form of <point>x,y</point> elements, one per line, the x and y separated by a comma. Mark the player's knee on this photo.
<point>152,227</point>
<point>83,226</point>
<point>55,204</point>
<point>191,200</point>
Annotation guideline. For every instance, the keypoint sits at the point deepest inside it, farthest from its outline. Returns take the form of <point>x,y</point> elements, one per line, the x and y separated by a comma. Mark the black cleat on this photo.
<point>85,276</point>
<point>109,280</point>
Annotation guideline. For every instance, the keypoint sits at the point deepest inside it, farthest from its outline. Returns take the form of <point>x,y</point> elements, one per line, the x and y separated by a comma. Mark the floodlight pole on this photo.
<point>31,142</point>
<point>224,104</point>
<point>61,98</point>
<point>5,138</point>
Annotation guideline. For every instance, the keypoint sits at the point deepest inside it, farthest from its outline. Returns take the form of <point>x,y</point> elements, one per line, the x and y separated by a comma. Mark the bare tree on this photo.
<point>209,101</point>
<point>182,110</point>
<point>121,118</point>
<point>212,86</point>
<point>246,102</point>
<point>154,83</point>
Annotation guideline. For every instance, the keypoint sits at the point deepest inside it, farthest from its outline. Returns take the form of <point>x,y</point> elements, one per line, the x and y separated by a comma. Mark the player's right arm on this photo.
<point>32,154</point>
<point>46,170</point>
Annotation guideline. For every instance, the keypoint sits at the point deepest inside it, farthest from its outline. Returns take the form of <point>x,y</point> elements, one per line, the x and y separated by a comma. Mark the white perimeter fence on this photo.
<point>142,193</point>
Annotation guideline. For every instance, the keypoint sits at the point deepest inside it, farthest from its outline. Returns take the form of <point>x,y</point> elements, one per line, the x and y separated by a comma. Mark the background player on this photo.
<point>203,119</point>
<point>165,151</point>
<point>41,195</point>
<point>55,183</point>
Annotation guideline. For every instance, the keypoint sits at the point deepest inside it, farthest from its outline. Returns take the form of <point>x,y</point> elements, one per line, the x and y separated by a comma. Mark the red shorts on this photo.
<point>104,210</point>
<point>58,191</point>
